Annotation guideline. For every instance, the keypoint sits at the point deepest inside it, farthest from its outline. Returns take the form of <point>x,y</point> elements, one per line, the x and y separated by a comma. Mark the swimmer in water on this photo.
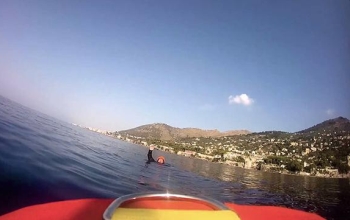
<point>160,160</point>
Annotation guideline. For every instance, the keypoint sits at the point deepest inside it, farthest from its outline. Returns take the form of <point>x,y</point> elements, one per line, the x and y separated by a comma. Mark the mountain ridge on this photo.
<point>334,124</point>
<point>166,132</point>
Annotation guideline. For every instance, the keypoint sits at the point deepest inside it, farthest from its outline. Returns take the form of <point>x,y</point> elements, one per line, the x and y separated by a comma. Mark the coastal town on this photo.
<point>316,156</point>
<point>322,152</point>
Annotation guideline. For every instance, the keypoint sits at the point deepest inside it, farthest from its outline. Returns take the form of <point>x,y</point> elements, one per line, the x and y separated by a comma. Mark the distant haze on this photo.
<point>166,132</point>
<point>226,65</point>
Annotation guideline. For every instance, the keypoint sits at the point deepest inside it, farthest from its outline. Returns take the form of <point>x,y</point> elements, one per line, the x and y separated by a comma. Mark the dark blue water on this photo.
<point>43,159</point>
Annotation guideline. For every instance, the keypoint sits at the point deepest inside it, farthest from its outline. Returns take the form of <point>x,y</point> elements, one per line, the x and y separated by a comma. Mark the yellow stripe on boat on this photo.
<point>162,214</point>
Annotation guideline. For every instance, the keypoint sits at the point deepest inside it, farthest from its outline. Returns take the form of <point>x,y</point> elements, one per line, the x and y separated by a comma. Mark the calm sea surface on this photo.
<point>43,159</point>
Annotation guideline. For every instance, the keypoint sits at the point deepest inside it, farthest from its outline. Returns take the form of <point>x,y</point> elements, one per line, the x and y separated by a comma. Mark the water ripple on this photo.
<point>43,159</point>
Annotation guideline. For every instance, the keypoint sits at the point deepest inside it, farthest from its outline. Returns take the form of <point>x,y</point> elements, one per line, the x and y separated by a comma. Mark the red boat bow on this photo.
<point>93,209</point>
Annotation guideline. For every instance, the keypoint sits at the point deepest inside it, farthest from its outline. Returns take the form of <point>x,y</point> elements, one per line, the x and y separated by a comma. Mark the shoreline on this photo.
<point>302,174</point>
<point>284,172</point>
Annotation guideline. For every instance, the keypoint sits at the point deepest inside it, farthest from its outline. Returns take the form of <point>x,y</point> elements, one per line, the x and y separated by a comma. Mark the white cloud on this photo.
<point>330,112</point>
<point>242,99</point>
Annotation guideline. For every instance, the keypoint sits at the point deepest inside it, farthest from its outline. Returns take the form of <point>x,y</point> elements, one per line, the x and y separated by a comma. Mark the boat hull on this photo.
<point>93,209</point>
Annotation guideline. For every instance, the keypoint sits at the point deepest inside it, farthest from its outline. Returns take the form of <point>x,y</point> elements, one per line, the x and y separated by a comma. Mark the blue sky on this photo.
<point>256,65</point>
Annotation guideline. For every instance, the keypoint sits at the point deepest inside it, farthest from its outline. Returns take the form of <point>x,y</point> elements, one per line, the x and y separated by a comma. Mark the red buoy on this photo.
<point>161,160</point>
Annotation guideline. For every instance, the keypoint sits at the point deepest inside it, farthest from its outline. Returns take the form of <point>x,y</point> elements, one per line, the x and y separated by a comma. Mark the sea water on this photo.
<point>43,159</point>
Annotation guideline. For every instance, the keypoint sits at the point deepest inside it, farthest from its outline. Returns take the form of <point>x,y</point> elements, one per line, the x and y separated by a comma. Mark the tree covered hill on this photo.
<point>336,124</point>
